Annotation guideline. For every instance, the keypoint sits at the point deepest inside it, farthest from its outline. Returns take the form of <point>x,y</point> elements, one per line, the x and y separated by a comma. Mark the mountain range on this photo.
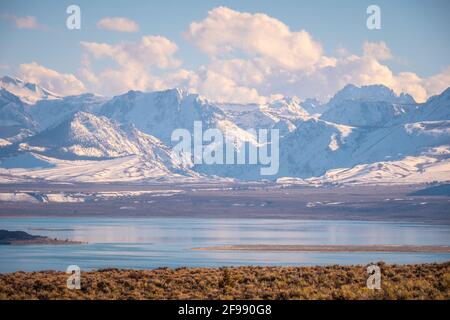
<point>366,134</point>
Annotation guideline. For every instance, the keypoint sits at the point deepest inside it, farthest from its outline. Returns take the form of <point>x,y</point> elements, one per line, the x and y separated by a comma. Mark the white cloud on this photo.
<point>25,22</point>
<point>280,61</point>
<point>377,50</point>
<point>151,51</point>
<point>118,24</point>
<point>134,61</point>
<point>252,57</point>
<point>60,83</point>
<point>226,31</point>
<point>220,88</point>
<point>256,56</point>
<point>438,83</point>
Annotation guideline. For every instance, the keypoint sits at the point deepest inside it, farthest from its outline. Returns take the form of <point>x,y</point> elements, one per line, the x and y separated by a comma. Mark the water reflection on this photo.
<point>156,242</point>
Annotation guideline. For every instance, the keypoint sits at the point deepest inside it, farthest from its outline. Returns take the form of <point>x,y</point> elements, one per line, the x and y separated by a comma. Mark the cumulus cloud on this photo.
<point>261,57</point>
<point>25,22</point>
<point>59,83</point>
<point>438,83</point>
<point>151,50</point>
<point>118,24</point>
<point>134,61</point>
<point>225,31</point>
<point>377,50</point>
<point>251,58</point>
<point>220,88</point>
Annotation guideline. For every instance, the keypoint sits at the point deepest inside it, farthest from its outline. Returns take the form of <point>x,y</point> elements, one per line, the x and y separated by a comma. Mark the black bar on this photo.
<point>171,309</point>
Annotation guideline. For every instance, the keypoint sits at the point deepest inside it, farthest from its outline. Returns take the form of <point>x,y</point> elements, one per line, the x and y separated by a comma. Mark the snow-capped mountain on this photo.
<point>28,92</point>
<point>47,113</point>
<point>313,106</point>
<point>87,138</point>
<point>12,111</point>
<point>367,113</point>
<point>372,93</point>
<point>159,113</point>
<point>15,122</point>
<point>280,114</point>
<point>436,108</point>
<point>370,106</point>
<point>362,134</point>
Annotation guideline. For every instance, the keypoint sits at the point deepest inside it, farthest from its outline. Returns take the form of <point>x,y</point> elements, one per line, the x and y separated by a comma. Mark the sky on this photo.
<point>229,51</point>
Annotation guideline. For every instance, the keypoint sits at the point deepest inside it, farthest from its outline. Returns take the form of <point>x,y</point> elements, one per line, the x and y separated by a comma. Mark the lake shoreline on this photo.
<point>330,248</point>
<point>318,217</point>
<point>22,238</point>
<point>237,201</point>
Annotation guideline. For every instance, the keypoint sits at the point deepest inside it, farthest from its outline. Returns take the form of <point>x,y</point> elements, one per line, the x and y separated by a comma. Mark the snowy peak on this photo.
<point>82,135</point>
<point>289,108</point>
<point>369,106</point>
<point>85,136</point>
<point>372,93</point>
<point>367,113</point>
<point>13,115</point>
<point>28,92</point>
<point>159,113</point>
<point>435,109</point>
<point>313,106</point>
<point>370,129</point>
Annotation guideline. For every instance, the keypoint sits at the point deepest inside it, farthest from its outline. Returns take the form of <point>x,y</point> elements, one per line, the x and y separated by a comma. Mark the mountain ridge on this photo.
<point>359,127</point>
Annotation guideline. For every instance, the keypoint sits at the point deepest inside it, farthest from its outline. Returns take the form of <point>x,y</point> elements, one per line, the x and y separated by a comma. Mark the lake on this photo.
<point>142,243</point>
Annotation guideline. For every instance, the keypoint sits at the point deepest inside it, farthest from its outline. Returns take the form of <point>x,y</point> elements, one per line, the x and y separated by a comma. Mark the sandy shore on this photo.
<point>327,248</point>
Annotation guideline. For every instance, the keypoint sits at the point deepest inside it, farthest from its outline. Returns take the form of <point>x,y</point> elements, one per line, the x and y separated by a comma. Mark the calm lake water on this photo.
<point>156,242</point>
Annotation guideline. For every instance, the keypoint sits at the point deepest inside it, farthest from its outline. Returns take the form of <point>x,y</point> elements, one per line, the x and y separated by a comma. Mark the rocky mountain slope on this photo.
<point>367,134</point>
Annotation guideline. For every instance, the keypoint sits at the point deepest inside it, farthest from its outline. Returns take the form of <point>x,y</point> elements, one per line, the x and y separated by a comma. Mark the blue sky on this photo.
<point>416,33</point>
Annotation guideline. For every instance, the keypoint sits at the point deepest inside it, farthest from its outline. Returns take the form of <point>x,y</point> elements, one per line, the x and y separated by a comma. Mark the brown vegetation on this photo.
<point>425,281</point>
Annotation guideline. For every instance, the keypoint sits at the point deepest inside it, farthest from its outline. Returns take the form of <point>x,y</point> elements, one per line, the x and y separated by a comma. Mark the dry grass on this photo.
<point>424,281</point>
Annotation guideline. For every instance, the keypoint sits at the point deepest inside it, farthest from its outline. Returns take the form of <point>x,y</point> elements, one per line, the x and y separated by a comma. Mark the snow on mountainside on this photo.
<point>280,114</point>
<point>367,113</point>
<point>363,134</point>
<point>368,106</point>
<point>159,113</point>
<point>373,93</point>
<point>314,146</point>
<point>85,135</point>
<point>125,169</point>
<point>15,122</point>
<point>28,92</point>
<point>436,108</point>
<point>88,137</point>
<point>313,106</point>
<point>317,146</point>
<point>47,113</point>
<point>431,165</point>
<point>12,111</point>
<point>20,119</point>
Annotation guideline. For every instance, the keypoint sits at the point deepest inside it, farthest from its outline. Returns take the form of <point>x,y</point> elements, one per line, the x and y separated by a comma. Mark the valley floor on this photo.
<point>227,200</point>
<point>423,281</point>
